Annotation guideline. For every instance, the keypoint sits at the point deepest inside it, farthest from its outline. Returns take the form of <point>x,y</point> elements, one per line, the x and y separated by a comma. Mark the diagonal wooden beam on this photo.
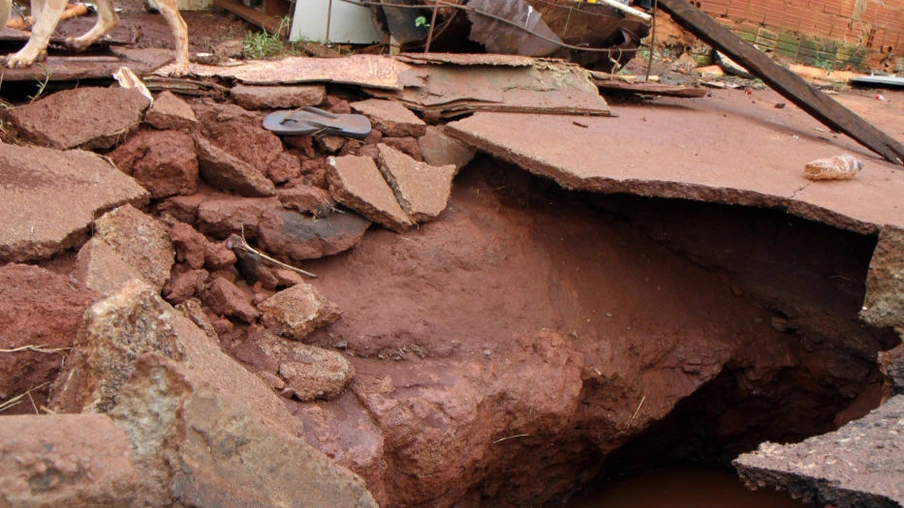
<point>819,105</point>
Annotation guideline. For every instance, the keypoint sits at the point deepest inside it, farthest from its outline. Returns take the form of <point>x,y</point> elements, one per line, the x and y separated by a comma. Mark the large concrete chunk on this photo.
<point>86,117</point>
<point>356,182</point>
<point>275,97</point>
<point>51,197</point>
<point>140,240</point>
<point>219,452</point>
<point>226,172</point>
<point>857,465</point>
<point>391,118</point>
<point>115,331</point>
<point>296,312</point>
<point>883,304</point>
<point>421,189</point>
<point>65,460</point>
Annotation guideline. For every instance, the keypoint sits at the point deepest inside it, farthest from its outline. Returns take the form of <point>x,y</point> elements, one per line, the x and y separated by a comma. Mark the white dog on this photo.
<point>47,13</point>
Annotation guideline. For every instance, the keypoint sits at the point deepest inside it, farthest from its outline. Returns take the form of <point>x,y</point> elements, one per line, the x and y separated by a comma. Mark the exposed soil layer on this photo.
<point>651,299</point>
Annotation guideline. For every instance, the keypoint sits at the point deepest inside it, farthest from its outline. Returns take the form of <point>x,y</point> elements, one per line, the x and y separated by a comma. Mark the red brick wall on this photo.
<point>876,25</point>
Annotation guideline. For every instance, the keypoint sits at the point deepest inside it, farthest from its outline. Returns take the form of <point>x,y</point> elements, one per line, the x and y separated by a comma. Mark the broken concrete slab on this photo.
<point>300,237</point>
<point>51,197</point>
<point>373,71</point>
<point>546,86</point>
<point>103,116</point>
<point>857,465</point>
<point>226,172</point>
<point>99,267</point>
<point>422,190</point>
<point>65,460</point>
<point>296,312</point>
<point>357,183</point>
<point>439,149</point>
<point>277,97</point>
<point>222,452</point>
<point>163,162</point>
<point>40,313</point>
<point>115,331</point>
<point>140,240</point>
<point>391,118</point>
<point>883,305</point>
<point>169,112</point>
<point>557,148</point>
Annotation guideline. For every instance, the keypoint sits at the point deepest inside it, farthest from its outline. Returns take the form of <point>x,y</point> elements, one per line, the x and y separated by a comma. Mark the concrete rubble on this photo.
<point>169,112</point>
<point>277,97</point>
<point>857,465</point>
<point>50,199</point>
<point>215,373</point>
<point>104,116</point>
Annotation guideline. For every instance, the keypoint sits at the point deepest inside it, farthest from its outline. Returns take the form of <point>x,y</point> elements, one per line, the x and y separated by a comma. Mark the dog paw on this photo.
<point>24,59</point>
<point>75,44</point>
<point>179,70</point>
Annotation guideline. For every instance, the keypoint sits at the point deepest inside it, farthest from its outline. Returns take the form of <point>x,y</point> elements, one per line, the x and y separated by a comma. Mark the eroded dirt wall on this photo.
<point>503,351</point>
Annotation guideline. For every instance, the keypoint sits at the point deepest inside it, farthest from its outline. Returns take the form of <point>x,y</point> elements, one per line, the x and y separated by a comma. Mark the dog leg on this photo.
<point>179,29</point>
<point>46,15</point>
<point>5,8</point>
<point>106,20</point>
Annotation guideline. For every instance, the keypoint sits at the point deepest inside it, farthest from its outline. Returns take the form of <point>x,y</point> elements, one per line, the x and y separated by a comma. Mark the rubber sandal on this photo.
<point>310,121</point>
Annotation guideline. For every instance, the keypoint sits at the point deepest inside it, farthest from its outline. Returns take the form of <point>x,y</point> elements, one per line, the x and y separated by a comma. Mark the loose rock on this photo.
<point>225,299</point>
<point>308,372</point>
<point>99,267</point>
<point>357,183</point>
<point>228,215</point>
<point>189,244</point>
<point>169,112</point>
<point>103,116</point>
<point>306,199</point>
<point>299,237</point>
<point>163,162</point>
<point>296,312</point>
<point>223,171</point>
<point>140,241</point>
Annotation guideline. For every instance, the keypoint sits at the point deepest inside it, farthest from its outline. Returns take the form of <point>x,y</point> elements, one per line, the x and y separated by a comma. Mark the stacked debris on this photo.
<point>595,35</point>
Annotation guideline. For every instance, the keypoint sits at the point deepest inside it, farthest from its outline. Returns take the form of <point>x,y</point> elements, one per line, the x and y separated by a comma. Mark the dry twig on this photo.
<point>18,398</point>
<point>248,248</point>
<point>36,349</point>
<point>510,437</point>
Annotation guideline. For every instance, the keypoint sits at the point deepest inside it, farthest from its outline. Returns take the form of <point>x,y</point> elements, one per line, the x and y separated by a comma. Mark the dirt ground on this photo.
<point>504,349</point>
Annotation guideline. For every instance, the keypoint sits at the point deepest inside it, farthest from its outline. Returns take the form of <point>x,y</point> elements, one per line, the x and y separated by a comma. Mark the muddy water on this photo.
<point>685,488</point>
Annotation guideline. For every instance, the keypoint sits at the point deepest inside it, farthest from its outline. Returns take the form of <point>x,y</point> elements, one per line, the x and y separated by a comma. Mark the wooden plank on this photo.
<point>267,22</point>
<point>785,82</point>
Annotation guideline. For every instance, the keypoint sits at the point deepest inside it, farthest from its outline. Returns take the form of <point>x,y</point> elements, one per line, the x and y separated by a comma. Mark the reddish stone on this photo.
<point>226,299</point>
<point>189,245</point>
<point>163,162</point>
